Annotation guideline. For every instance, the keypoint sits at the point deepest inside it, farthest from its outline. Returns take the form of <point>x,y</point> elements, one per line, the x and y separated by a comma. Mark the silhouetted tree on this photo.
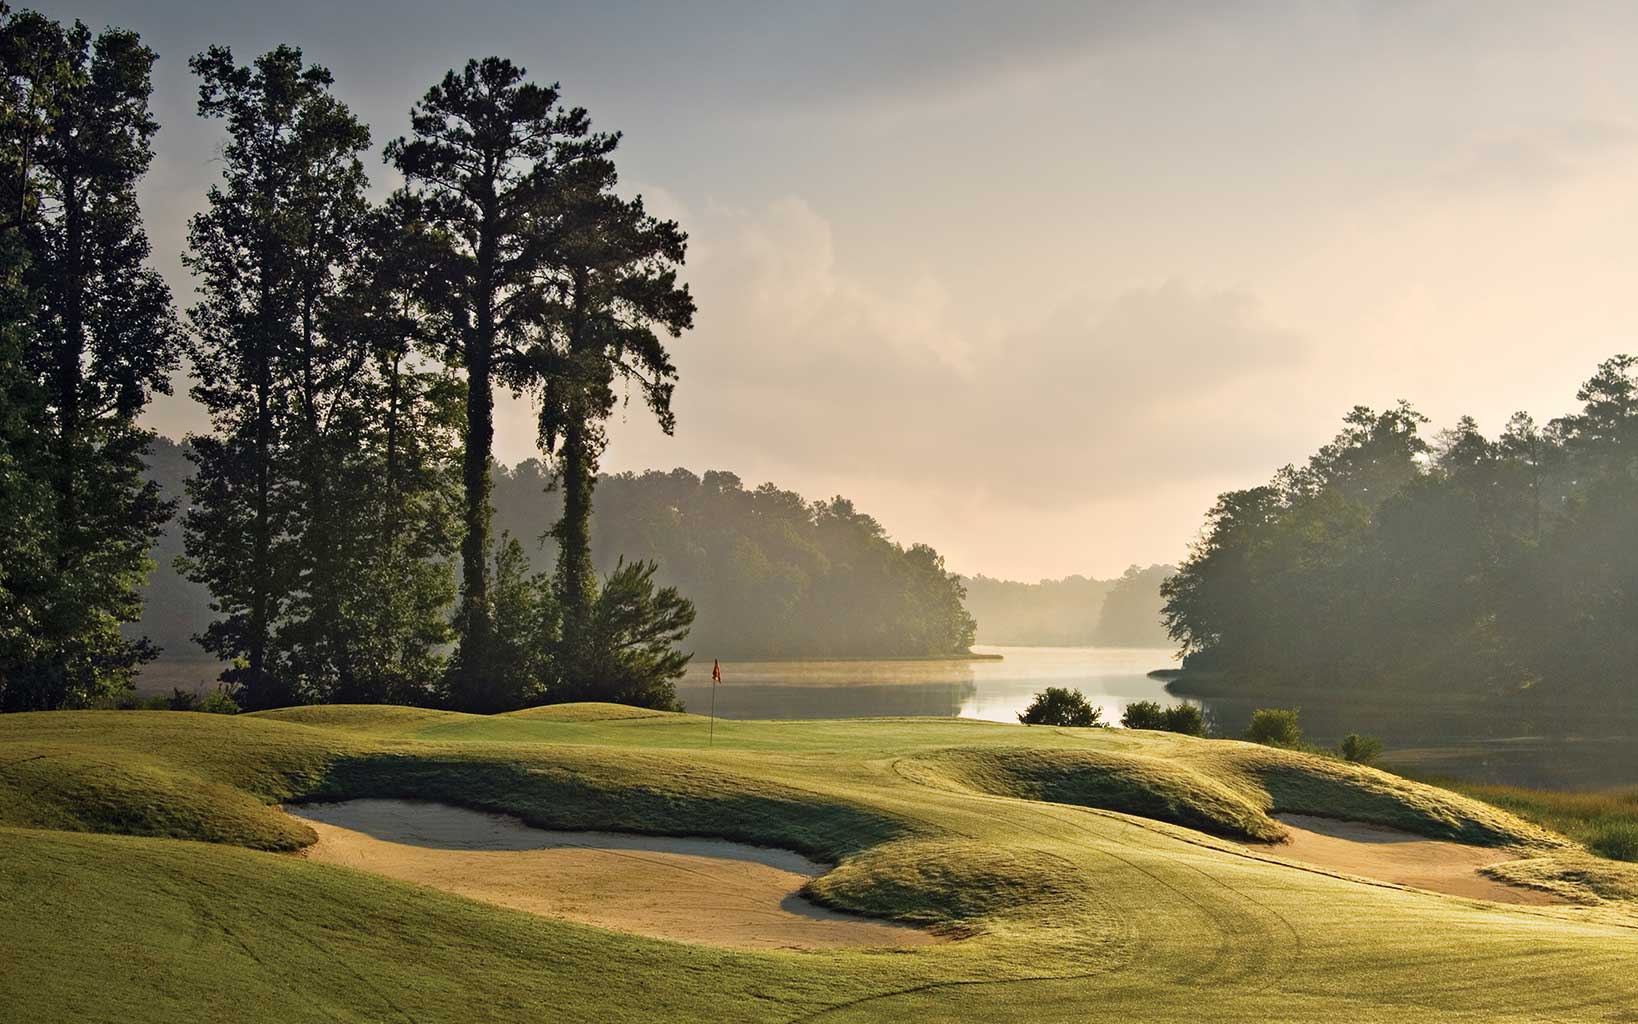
<point>618,294</point>
<point>268,252</point>
<point>387,475</point>
<point>487,154</point>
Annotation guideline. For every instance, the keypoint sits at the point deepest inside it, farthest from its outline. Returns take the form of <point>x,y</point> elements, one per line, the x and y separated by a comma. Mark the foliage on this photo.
<point>631,643</point>
<point>321,505</point>
<point>491,163</point>
<point>1360,749</point>
<point>1274,727</point>
<point>87,338</point>
<point>527,628</point>
<point>770,573</point>
<point>1497,568</point>
<point>219,702</point>
<point>1180,718</point>
<point>1057,705</point>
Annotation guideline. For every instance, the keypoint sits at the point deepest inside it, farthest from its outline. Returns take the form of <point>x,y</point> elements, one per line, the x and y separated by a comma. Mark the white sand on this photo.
<point>1390,855</point>
<point>694,890</point>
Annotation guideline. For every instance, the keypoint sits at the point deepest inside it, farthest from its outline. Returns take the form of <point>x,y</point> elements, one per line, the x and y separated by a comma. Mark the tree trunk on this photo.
<point>473,687</point>
<point>575,581</point>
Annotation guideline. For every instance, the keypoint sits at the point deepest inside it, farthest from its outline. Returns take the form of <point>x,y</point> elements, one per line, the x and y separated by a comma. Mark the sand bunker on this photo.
<point>1389,855</point>
<point>693,890</point>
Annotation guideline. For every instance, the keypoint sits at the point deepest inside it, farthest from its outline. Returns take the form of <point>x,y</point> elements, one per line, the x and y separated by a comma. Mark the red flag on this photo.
<point>716,671</point>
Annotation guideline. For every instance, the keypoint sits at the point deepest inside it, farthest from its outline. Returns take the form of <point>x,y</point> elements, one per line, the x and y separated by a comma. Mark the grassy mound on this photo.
<point>588,712</point>
<point>1147,786</point>
<point>1300,783</point>
<point>1225,788</point>
<point>54,787</point>
<point>374,719</point>
<point>951,882</point>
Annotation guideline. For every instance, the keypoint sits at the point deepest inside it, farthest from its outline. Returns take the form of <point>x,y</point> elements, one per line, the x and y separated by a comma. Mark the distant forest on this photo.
<point>1075,610</point>
<point>770,573</point>
<point>1501,566</point>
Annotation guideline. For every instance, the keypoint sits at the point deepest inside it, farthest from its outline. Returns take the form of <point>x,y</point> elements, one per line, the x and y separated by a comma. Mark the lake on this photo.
<point>991,689</point>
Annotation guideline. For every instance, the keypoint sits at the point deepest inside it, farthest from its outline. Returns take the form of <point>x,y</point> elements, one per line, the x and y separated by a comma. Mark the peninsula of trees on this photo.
<point>1496,567</point>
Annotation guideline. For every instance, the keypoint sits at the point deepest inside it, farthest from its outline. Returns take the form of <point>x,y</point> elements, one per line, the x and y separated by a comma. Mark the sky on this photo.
<point>1033,283</point>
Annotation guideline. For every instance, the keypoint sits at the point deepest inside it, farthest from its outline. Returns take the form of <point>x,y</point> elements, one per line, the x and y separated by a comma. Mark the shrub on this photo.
<point>1183,718</point>
<point>1145,714</point>
<point>219,702</point>
<point>1275,727</point>
<point>1186,719</point>
<point>1360,749</point>
<point>1057,705</point>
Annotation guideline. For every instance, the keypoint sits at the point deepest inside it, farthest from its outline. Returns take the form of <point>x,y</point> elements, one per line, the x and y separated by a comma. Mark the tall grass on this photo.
<point>1605,822</point>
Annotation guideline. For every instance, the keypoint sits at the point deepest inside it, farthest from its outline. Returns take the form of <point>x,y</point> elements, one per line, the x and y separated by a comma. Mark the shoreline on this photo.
<point>792,658</point>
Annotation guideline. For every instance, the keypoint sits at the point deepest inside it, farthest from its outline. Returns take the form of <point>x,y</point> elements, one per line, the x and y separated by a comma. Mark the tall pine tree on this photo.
<point>488,154</point>
<point>618,298</point>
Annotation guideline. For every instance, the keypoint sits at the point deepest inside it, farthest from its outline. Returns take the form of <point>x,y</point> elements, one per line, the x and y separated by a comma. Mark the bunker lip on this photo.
<point>1402,858</point>
<point>707,891</point>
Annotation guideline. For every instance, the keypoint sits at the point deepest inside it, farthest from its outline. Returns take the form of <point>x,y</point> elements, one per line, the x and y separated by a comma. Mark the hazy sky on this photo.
<point>1035,285</point>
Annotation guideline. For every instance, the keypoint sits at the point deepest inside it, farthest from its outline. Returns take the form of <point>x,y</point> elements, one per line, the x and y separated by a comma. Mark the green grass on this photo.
<point>1090,874</point>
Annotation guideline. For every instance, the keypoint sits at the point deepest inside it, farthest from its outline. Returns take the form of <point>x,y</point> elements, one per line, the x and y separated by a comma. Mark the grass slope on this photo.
<point>1084,866</point>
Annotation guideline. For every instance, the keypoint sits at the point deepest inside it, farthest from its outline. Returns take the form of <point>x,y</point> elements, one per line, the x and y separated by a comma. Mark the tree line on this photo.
<point>770,573</point>
<point>1500,567</point>
<point>347,353</point>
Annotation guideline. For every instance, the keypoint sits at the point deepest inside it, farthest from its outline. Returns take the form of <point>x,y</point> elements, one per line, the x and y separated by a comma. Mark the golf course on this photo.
<point>593,862</point>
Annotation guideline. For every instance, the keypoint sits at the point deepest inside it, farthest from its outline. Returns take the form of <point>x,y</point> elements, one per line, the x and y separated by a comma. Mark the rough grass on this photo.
<point>1605,822</point>
<point>1001,834</point>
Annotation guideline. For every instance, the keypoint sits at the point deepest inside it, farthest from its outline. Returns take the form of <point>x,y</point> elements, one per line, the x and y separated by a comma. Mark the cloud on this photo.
<point>1536,158</point>
<point>848,378</point>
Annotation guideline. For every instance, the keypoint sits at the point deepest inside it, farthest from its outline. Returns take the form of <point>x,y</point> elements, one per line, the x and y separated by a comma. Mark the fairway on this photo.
<point>149,874</point>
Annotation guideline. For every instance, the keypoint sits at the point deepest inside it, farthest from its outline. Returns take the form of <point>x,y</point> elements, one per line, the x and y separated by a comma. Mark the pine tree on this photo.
<point>489,152</point>
<point>93,328</point>
<point>618,294</point>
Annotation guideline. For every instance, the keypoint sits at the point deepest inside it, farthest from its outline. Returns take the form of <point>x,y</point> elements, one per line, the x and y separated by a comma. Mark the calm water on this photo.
<point>992,690</point>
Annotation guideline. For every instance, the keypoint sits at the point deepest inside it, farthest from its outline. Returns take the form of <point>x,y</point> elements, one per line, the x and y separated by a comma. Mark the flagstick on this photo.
<point>712,741</point>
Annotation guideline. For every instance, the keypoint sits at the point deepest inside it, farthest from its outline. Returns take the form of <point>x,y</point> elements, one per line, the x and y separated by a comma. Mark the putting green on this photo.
<point>1087,874</point>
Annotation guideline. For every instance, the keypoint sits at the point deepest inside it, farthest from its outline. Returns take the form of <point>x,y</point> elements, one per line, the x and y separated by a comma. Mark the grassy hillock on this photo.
<point>1087,872</point>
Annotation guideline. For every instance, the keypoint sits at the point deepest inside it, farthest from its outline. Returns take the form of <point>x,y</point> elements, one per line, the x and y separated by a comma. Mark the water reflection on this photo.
<point>994,690</point>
